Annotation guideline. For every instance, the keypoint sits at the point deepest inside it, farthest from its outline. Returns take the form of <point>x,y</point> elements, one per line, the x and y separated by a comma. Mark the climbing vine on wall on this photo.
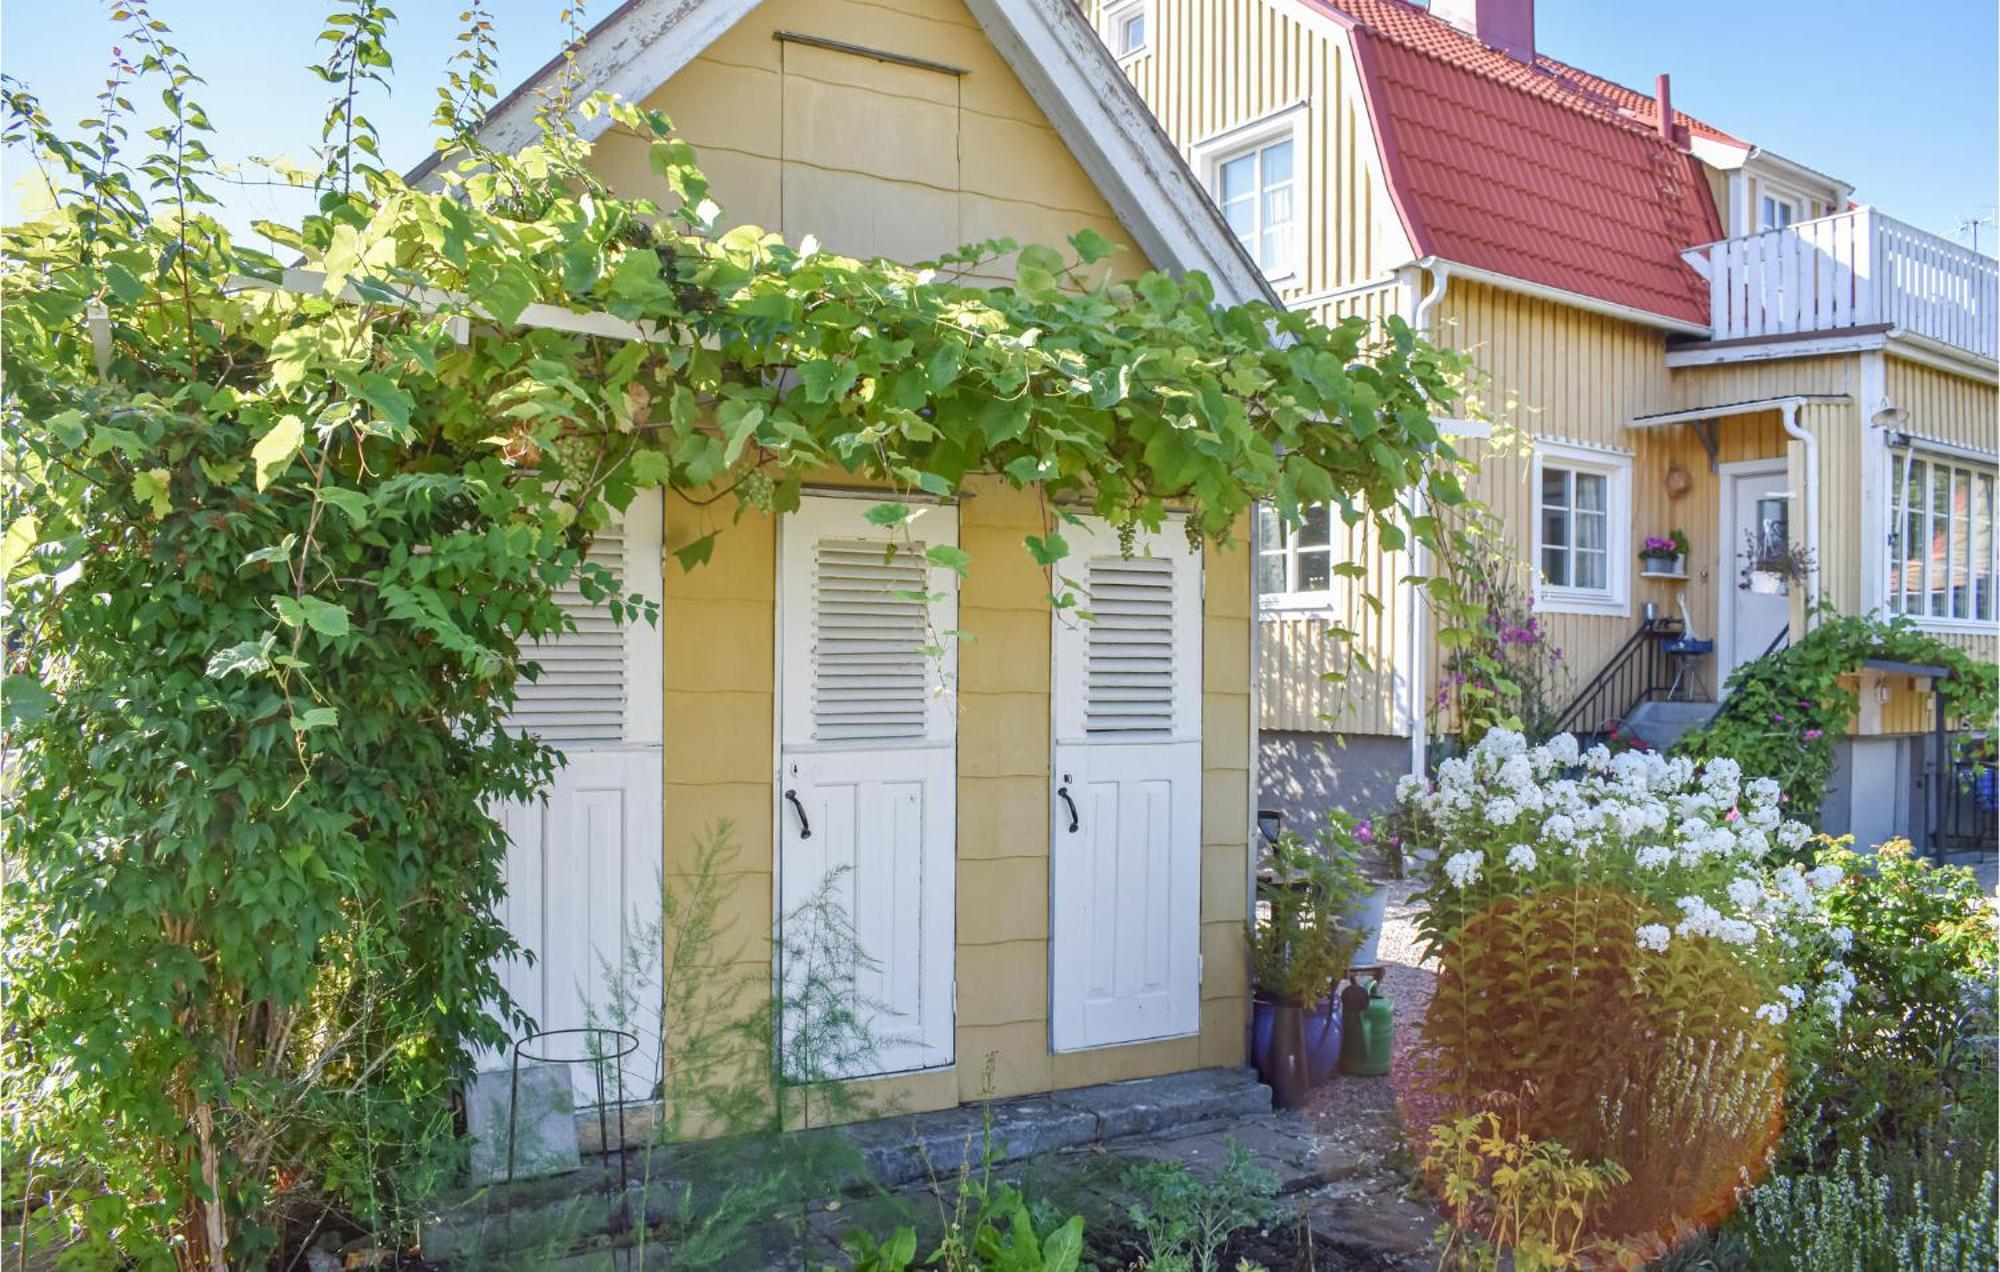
<point>277,547</point>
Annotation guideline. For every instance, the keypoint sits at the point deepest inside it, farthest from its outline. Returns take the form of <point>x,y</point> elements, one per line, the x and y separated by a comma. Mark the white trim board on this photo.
<point>1060,61</point>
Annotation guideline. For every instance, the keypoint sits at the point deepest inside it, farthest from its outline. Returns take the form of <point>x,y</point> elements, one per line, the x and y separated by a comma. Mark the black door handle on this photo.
<point>1062,792</point>
<point>805,827</point>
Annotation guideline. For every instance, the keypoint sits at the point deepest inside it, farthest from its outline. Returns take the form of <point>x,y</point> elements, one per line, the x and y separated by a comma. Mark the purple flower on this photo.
<point>1814,735</point>
<point>1654,543</point>
<point>1364,833</point>
<point>1778,717</point>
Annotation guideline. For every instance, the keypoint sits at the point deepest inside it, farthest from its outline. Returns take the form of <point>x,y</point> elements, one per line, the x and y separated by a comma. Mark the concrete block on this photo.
<point>544,1128</point>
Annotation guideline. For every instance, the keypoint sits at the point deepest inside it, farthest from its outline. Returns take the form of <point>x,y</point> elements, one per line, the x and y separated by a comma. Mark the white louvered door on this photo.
<point>583,863</point>
<point>1125,841</point>
<point>866,787</point>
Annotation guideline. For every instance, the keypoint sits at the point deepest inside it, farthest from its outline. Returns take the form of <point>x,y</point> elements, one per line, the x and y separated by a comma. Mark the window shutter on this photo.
<point>869,678</point>
<point>581,694</point>
<point>1129,650</point>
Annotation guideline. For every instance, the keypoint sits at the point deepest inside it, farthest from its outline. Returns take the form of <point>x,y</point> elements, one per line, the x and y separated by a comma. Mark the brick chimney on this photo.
<point>1505,25</point>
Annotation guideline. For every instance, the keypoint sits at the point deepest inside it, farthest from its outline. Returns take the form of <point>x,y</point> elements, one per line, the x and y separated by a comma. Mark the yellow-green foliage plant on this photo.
<point>276,555</point>
<point>1515,1197</point>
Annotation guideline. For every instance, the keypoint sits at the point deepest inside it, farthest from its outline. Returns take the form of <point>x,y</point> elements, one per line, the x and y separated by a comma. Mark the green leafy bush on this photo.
<point>1782,714</point>
<point>1924,957</point>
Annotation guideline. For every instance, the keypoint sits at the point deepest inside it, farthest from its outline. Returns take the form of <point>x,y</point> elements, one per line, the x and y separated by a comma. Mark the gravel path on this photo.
<point>1382,1115</point>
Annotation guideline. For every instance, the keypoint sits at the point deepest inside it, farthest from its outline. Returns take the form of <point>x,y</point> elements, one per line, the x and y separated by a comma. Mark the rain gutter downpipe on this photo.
<point>1420,318</point>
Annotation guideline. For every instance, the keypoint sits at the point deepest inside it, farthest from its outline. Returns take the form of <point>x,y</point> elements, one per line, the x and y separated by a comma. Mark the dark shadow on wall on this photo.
<point>1302,775</point>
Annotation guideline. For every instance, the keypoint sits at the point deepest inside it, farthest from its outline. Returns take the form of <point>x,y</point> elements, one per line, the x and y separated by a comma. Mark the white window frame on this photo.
<point>1292,599</point>
<point>1785,195</point>
<point>1116,17</point>
<point>1615,598</point>
<point>1286,124</point>
<point>1956,459</point>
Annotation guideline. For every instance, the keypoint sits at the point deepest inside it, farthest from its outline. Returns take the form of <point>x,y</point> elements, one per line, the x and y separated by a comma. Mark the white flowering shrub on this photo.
<point>1512,820</point>
<point>1597,920</point>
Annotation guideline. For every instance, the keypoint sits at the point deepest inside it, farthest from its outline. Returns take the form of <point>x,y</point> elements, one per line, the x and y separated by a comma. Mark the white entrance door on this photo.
<point>1125,841</point>
<point>584,863</point>
<point>867,778</point>
<point>1756,516</point>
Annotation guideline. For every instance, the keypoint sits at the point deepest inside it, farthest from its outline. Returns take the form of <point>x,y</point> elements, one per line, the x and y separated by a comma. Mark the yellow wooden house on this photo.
<point>1691,332</point>
<point>1041,841</point>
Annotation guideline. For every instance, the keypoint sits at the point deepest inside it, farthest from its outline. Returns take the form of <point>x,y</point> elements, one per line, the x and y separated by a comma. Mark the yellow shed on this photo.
<point>1041,837</point>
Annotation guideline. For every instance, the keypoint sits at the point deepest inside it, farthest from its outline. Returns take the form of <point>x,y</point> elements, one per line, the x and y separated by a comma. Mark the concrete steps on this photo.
<point>543,1222</point>
<point>1660,724</point>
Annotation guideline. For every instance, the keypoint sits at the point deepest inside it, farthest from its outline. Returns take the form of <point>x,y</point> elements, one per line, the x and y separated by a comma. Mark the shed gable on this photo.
<point>891,130</point>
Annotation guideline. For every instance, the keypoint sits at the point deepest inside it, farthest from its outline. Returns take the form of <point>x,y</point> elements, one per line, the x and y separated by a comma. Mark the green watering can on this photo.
<point>1367,1030</point>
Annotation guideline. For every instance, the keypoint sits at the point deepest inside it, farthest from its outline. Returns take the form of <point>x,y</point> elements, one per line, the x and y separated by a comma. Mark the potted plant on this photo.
<point>1664,556</point>
<point>1301,942</point>
<point>1772,564</point>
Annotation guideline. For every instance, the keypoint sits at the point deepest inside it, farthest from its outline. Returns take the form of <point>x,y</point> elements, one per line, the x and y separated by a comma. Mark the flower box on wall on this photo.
<point>1663,567</point>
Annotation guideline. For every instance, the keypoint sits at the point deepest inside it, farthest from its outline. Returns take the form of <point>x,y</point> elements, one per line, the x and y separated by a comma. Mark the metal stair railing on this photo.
<point>1640,670</point>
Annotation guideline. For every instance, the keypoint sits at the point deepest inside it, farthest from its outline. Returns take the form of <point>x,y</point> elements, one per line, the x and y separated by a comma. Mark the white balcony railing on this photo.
<point>1854,269</point>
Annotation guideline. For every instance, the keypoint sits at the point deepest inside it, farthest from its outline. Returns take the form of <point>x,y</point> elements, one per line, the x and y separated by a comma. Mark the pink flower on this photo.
<point>1814,735</point>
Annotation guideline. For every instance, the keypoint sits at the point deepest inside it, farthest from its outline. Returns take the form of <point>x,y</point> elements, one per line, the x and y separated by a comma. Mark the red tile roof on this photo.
<point>1536,171</point>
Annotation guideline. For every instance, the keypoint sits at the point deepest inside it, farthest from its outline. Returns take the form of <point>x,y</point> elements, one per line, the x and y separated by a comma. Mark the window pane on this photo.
<point>1982,548</point>
<point>1315,570</point>
<point>1237,178</point>
<point>1961,543</point>
<point>1135,32</point>
<point>1897,554</point>
<point>1555,528</point>
<point>1277,163</point>
<point>1590,531</point>
<point>1270,527</point>
<point>1555,567</point>
<point>1277,229</point>
<point>1555,487</point>
<point>1590,491</point>
<point>1313,527</point>
<point>1591,570</point>
<point>1271,572</point>
<point>1242,217</point>
<point>1916,548</point>
<point>1940,541</point>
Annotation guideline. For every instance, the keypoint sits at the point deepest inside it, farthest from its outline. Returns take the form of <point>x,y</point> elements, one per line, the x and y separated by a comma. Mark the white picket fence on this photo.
<point>1854,269</point>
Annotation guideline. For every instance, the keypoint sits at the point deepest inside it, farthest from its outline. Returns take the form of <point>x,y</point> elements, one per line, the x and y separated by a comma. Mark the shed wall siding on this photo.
<point>877,158</point>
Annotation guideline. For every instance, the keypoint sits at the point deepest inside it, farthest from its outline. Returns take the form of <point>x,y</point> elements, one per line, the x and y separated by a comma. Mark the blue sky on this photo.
<point>1898,99</point>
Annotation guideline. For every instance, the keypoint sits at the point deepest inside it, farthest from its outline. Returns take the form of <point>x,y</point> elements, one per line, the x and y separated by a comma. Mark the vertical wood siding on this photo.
<point>1554,372</point>
<point>1944,407</point>
<point>1214,65</point>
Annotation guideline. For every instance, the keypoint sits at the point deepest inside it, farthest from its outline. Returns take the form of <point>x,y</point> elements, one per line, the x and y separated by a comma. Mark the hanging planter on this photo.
<point>1771,565</point>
